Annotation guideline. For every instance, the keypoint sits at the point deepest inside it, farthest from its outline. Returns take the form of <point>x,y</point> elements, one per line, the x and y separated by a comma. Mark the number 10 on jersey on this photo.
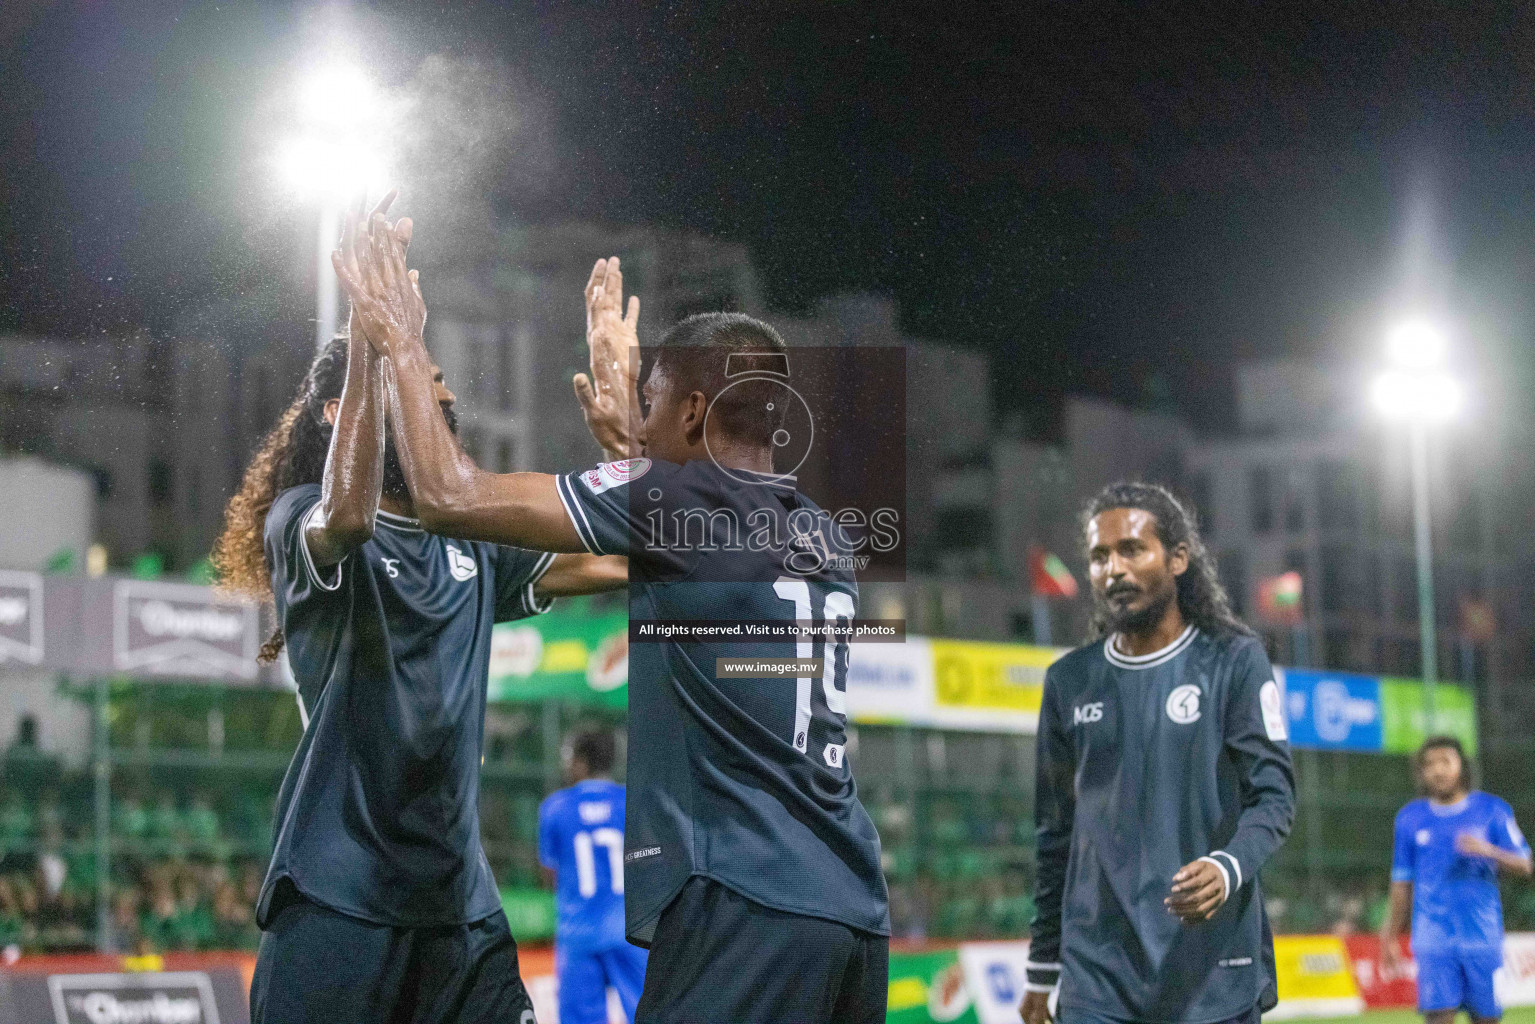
<point>836,607</point>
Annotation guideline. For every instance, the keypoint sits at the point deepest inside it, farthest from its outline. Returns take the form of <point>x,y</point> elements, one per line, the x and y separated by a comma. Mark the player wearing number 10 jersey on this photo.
<point>751,870</point>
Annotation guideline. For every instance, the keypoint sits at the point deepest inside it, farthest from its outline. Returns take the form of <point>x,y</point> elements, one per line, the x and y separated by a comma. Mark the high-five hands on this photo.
<point>608,397</point>
<point>370,264</point>
<point>1198,891</point>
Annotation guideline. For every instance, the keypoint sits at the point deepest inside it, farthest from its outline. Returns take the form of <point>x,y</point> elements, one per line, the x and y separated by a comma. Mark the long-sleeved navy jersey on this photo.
<point>1145,764</point>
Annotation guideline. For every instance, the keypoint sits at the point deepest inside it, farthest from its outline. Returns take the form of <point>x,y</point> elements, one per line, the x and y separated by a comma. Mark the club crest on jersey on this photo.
<point>611,474</point>
<point>1183,704</point>
<point>461,565</point>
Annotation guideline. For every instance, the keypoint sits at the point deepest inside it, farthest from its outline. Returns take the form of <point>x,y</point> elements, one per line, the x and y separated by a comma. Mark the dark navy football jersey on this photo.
<point>378,815</point>
<point>1144,765</point>
<point>744,781</point>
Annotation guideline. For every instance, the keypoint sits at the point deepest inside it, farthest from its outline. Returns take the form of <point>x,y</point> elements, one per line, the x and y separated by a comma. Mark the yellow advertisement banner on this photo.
<point>1314,976</point>
<point>990,677</point>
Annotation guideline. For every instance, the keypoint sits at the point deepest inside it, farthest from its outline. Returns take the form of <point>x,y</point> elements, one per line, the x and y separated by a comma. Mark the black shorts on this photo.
<point>319,965</point>
<point>720,958</point>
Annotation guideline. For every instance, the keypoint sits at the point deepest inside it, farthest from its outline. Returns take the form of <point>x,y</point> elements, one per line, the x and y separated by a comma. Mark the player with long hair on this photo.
<point>378,903</point>
<point>1163,784</point>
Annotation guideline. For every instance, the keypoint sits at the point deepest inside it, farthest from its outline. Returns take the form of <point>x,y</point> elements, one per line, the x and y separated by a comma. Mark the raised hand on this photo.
<point>385,294</point>
<point>608,397</point>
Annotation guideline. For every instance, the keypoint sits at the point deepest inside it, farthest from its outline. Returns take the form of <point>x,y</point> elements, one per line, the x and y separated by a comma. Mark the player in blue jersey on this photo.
<point>1163,786</point>
<point>379,904</point>
<point>1449,846</point>
<point>581,840</point>
<point>751,869</point>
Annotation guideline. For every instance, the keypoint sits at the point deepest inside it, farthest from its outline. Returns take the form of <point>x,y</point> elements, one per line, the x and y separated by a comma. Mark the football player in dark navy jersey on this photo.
<point>752,871</point>
<point>1163,786</point>
<point>378,903</point>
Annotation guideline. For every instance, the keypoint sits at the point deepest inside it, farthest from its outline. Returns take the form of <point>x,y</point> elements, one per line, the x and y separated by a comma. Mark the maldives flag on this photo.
<point>1049,576</point>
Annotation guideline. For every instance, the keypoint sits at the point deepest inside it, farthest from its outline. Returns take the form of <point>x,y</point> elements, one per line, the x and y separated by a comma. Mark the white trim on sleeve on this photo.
<point>1225,876</point>
<point>1236,866</point>
<point>577,515</point>
<point>530,603</point>
<point>303,543</point>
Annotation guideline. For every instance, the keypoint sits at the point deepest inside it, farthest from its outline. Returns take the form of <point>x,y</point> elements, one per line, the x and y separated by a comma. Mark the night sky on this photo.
<point>1108,200</point>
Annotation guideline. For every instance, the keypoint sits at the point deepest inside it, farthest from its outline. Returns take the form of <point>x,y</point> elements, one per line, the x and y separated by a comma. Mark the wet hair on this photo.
<point>1201,598</point>
<point>704,351</point>
<point>1443,742</point>
<point>597,749</point>
<point>292,453</point>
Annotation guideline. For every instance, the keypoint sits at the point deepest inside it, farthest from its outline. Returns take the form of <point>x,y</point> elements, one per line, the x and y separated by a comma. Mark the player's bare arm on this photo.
<point>451,494</point>
<point>1035,1008</point>
<point>1476,846</point>
<point>1199,889</point>
<point>609,397</point>
<point>354,465</point>
<point>1398,906</point>
<point>573,575</point>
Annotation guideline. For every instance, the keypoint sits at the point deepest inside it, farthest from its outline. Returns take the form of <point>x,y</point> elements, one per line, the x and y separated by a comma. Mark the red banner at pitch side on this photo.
<point>1382,988</point>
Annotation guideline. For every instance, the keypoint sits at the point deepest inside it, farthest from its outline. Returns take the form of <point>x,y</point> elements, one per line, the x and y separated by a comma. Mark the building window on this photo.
<point>1335,581</point>
<point>1295,502</point>
<point>1233,575</point>
<point>1200,493</point>
<point>1337,496</point>
<point>159,481</point>
<point>1260,497</point>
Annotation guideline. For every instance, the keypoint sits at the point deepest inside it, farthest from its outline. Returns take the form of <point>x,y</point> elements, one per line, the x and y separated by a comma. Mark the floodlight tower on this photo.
<point>1417,390</point>
<point>334,157</point>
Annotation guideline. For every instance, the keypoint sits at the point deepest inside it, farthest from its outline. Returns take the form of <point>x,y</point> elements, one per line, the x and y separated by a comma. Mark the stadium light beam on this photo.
<point>1416,390</point>
<point>331,160</point>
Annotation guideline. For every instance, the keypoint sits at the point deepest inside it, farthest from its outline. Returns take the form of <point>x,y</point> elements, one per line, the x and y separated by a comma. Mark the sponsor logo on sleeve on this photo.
<point>1273,711</point>
<point>612,474</point>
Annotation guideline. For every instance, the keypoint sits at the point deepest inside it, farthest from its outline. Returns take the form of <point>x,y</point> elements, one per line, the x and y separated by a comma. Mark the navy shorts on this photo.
<point>1453,979</point>
<point>1252,1016</point>
<point>584,978</point>
<point>720,958</point>
<point>318,965</point>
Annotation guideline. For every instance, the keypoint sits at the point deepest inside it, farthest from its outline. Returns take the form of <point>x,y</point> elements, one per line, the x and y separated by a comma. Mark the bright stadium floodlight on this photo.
<point>1415,345</point>
<point>334,159</point>
<point>1416,390</point>
<point>1405,395</point>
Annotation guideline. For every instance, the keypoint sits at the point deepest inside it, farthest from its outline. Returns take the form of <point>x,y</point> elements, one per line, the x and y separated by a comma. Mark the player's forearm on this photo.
<point>439,473</point>
<point>453,496</point>
<point>1514,863</point>
<point>1398,900</point>
<point>573,575</point>
<point>354,469</point>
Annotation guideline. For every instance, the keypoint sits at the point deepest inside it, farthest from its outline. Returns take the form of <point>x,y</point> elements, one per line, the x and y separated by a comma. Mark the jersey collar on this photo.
<point>1152,660</point>
<point>1450,810</point>
<point>404,524</point>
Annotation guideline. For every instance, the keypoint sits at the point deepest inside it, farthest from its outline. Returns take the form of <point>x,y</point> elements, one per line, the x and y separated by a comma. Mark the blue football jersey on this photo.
<point>1455,902</point>
<point>746,780</point>
<point>581,839</point>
